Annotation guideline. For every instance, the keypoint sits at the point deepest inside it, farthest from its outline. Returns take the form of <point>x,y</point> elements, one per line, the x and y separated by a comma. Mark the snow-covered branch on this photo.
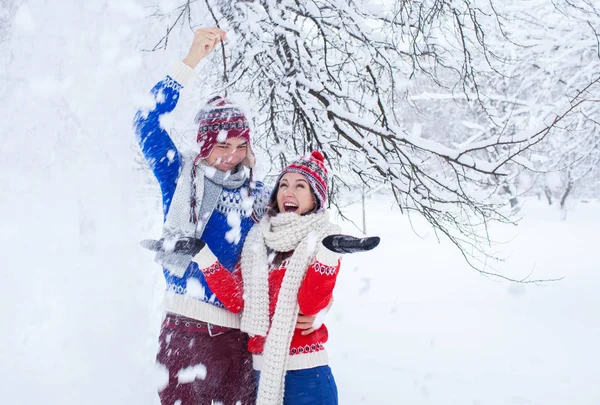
<point>351,79</point>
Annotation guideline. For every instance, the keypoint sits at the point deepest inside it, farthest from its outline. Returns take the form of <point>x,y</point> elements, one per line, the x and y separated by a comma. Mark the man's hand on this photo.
<point>307,323</point>
<point>205,40</point>
<point>186,246</point>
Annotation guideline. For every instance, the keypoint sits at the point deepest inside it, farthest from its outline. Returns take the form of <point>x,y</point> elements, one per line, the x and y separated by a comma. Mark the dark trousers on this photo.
<point>311,386</point>
<point>229,377</point>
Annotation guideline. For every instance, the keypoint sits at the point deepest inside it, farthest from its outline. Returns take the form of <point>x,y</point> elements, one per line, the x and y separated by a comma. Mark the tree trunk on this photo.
<point>548,194</point>
<point>566,193</point>
<point>364,213</point>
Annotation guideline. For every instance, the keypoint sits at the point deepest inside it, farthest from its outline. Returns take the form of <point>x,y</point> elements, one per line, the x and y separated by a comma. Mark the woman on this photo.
<point>289,264</point>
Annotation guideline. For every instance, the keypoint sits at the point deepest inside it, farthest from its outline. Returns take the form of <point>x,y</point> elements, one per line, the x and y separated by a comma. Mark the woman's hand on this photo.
<point>349,244</point>
<point>205,40</point>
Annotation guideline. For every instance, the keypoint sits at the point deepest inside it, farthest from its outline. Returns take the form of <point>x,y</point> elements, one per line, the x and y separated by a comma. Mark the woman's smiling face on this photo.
<point>294,194</point>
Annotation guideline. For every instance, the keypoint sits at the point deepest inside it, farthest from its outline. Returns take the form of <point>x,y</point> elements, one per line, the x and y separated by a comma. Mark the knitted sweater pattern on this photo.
<point>315,293</point>
<point>189,294</point>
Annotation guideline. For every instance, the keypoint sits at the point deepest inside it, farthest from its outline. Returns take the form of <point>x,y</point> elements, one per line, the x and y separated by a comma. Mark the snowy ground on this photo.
<point>411,322</point>
<point>413,325</point>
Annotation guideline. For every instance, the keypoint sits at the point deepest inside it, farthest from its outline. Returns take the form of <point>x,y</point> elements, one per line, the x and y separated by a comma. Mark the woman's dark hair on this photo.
<point>280,257</point>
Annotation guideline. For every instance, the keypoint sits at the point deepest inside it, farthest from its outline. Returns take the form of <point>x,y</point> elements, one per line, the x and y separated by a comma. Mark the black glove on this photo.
<point>350,244</point>
<point>189,246</point>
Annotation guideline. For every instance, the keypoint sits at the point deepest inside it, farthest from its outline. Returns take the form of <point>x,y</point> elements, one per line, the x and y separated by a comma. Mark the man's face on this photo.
<point>227,155</point>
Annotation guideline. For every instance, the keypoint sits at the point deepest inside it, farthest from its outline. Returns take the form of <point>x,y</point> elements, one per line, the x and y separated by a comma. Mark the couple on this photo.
<point>230,246</point>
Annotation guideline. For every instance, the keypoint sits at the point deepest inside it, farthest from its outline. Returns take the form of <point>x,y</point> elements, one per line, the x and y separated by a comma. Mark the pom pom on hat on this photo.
<point>318,156</point>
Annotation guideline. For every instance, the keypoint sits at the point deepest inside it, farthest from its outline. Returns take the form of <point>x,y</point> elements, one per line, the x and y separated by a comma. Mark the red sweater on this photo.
<point>314,294</point>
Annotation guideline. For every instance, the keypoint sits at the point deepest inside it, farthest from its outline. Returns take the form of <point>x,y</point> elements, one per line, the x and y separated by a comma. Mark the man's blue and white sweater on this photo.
<point>190,295</point>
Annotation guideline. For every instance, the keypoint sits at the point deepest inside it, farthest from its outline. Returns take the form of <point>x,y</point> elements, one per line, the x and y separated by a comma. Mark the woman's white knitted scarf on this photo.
<point>283,233</point>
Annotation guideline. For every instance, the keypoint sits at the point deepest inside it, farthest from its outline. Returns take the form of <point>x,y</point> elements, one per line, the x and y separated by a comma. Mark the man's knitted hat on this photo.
<point>313,168</point>
<point>219,120</point>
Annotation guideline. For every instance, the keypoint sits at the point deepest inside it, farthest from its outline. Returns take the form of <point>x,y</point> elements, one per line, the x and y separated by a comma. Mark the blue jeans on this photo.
<point>310,386</point>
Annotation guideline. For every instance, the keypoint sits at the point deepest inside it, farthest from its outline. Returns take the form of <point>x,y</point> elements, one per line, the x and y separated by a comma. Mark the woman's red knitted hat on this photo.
<point>313,168</point>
